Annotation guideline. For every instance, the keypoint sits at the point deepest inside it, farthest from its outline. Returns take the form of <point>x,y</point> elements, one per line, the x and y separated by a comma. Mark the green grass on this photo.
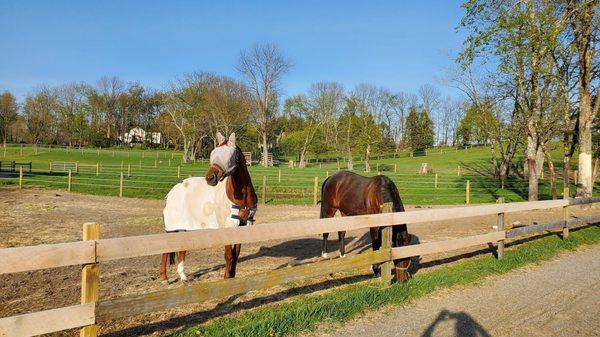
<point>305,312</point>
<point>295,186</point>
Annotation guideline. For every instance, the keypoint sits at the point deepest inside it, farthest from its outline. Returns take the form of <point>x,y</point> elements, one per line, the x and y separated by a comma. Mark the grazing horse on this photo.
<point>353,194</point>
<point>223,198</point>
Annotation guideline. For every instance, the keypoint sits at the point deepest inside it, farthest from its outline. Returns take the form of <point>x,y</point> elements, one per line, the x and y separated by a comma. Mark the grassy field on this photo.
<point>305,312</point>
<point>151,174</point>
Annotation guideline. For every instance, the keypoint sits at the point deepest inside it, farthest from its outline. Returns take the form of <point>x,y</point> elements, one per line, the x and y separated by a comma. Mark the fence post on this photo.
<point>121,185</point>
<point>500,227</point>
<point>566,214</point>
<point>395,168</point>
<point>264,190</point>
<point>50,164</point>
<point>279,176</point>
<point>155,163</point>
<point>169,162</point>
<point>386,243</point>
<point>20,177</point>
<point>90,278</point>
<point>21,149</point>
<point>326,174</point>
<point>178,171</point>
<point>69,182</point>
<point>315,191</point>
<point>468,192</point>
<point>458,171</point>
<point>97,169</point>
<point>128,170</point>
<point>436,180</point>
<point>141,164</point>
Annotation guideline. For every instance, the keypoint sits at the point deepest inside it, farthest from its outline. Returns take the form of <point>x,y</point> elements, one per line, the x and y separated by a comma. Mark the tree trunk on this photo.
<point>265,150</point>
<point>539,162</point>
<point>531,166</point>
<point>552,174</point>
<point>302,162</point>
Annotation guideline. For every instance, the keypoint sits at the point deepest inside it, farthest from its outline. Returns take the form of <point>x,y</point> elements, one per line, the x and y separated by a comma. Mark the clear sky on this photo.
<point>397,44</point>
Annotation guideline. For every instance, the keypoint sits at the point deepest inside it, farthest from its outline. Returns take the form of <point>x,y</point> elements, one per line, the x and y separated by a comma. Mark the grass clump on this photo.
<point>305,312</point>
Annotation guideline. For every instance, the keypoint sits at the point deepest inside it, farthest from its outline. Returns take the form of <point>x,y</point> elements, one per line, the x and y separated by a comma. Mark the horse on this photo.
<point>353,194</point>
<point>223,198</point>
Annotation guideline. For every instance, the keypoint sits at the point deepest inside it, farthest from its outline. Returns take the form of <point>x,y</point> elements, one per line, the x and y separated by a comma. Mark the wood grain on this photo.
<point>47,321</point>
<point>171,298</point>
<point>19,259</point>
<point>444,246</point>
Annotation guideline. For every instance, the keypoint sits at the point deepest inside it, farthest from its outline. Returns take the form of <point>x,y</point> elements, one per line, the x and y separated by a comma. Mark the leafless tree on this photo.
<point>263,66</point>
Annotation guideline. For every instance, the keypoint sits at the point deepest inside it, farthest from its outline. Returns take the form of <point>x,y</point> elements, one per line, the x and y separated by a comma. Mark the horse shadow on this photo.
<point>464,325</point>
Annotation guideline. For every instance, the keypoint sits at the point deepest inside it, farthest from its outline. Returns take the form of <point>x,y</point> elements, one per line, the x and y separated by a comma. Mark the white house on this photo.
<point>138,135</point>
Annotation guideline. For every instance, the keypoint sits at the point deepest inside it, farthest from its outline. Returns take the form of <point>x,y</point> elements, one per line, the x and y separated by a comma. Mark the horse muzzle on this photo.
<point>214,175</point>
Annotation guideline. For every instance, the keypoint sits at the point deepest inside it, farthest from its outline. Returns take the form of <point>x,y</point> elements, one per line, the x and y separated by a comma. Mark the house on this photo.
<point>139,135</point>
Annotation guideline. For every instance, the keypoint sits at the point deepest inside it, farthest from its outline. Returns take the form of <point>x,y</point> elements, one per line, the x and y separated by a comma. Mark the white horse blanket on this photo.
<point>193,204</point>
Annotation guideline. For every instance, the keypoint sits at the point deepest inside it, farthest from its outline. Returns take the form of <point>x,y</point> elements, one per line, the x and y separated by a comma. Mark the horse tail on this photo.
<point>172,258</point>
<point>392,195</point>
<point>323,204</point>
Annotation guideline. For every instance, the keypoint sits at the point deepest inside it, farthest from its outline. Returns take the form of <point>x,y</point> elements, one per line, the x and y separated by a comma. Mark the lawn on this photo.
<point>151,173</point>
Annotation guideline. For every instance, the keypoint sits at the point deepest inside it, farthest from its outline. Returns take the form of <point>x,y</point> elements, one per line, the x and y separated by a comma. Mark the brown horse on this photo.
<point>223,198</point>
<point>353,194</point>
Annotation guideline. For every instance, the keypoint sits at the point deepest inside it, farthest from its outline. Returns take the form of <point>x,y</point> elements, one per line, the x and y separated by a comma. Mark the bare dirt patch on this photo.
<point>31,217</point>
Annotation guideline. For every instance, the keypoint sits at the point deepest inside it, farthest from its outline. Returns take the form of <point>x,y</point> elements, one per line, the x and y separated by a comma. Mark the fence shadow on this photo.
<point>464,325</point>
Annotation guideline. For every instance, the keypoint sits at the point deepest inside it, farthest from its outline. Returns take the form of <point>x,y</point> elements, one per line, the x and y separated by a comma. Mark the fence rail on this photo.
<point>94,251</point>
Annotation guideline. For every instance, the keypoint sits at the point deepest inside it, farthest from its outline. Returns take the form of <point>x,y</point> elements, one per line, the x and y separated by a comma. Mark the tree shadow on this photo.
<point>464,325</point>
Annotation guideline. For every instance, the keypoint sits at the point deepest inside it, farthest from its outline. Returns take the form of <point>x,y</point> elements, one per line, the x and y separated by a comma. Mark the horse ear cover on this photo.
<point>220,138</point>
<point>231,141</point>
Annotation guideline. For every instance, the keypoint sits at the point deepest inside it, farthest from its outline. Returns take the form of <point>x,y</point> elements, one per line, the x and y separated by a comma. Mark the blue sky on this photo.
<point>397,44</point>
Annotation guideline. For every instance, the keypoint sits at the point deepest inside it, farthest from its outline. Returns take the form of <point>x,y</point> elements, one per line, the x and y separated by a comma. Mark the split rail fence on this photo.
<point>93,251</point>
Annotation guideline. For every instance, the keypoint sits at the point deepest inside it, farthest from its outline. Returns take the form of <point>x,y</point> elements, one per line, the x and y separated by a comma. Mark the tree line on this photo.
<point>327,118</point>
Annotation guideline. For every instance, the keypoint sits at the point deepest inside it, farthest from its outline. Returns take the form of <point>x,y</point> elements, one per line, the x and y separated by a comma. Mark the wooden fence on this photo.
<point>93,251</point>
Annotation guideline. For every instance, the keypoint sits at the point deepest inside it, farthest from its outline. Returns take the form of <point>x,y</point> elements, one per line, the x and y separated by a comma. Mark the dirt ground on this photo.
<point>555,298</point>
<point>31,217</point>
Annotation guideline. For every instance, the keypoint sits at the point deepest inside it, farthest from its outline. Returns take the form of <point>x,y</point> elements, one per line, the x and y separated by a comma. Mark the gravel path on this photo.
<point>556,298</point>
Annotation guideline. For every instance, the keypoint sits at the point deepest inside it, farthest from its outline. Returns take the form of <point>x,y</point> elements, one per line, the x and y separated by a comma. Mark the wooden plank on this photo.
<point>581,201</point>
<point>19,259</point>
<point>444,246</point>
<point>134,246</point>
<point>90,279</point>
<point>554,225</point>
<point>47,321</point>
<point>175,297</point>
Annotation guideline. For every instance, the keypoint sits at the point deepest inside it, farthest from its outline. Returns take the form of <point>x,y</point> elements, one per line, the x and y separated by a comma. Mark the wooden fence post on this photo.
<point>155,163</point>
<point>436,180</point>
<point>279,176</point>
<point>97,169</point>
<point>20,177</point>
<point>69,182</point>
<point>178,171</point>
<point>566,214</point>
<point>128,170</point>
<point>90,278</point>
<point>141,164</point>
<point>264,190</point>
<point>21,149</point>
<point>395,168</point>
<point>386,243</point>
<point>315,191</point>
<point>121,185</point>
<point>458,171</point>
<point>169,162</point>
<point>326,174</point>
<point>468,192</point>
<point>500,227</point>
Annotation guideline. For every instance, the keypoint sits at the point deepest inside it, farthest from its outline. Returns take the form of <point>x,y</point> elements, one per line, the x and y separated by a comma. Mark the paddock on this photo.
<point>46,217</point>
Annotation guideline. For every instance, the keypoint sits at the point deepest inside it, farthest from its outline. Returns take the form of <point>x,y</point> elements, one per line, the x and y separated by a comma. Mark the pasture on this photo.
<point>151,173</point>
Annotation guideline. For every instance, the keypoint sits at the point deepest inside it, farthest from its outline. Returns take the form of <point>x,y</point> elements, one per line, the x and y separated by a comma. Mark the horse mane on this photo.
<point>390,192</point>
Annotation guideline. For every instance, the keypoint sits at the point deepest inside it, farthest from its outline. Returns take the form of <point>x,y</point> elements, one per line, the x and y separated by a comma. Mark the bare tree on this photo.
<point>8,113</point>
<point>263,66</point>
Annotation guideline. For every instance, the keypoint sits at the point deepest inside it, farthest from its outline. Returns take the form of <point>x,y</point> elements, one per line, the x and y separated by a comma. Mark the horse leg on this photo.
<point>324,251</point>
<point>234,258</point>
<point>375,244</point>
<point>181,265</point>
<point>341,236</point>
<point>163,268</point>
<point>401,238</point>
<point>228,260</point>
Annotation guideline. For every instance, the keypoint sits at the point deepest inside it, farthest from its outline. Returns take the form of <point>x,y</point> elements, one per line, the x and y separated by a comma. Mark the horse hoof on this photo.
<point>324,255</point>
<point>342,255</point>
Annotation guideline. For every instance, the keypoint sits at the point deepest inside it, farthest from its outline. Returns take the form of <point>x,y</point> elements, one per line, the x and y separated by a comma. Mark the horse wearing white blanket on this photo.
<point>223,198</point>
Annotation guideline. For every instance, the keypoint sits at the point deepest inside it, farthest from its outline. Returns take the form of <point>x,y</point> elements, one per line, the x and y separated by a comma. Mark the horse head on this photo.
<point>222,159</point>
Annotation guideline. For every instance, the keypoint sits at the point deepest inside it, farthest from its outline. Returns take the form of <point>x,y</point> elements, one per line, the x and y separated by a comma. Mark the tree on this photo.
<point>40,113</point>
<point>262,67</point>
<point>8,113</point>
<point>419,129</point>
<point>582,18</point>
